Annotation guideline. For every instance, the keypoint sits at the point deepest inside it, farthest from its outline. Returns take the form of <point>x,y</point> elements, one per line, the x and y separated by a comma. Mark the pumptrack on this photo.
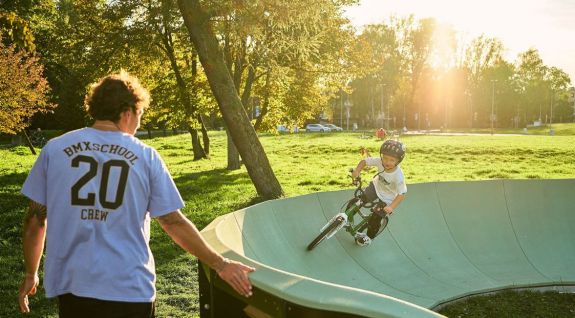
<point>446,241</point>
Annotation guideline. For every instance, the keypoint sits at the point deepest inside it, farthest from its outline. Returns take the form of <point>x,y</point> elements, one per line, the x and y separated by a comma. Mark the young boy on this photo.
<point>388,186</point>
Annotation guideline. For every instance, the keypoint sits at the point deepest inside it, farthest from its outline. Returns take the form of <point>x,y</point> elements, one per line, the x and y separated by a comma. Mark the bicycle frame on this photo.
<point>350,225</point>
<point>349,214</point>
<point>346,219</point>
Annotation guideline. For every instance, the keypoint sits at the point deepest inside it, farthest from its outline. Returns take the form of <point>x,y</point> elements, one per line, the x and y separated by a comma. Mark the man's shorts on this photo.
<point>70,306</point>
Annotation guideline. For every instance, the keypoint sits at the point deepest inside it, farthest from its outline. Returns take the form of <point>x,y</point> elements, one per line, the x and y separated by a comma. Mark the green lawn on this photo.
<point>560,129</point>
<point>303,163</point>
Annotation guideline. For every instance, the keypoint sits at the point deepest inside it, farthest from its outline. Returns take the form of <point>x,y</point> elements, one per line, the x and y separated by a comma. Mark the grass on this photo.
<point>559,129</point>
<point>514,305</point>
<point>303,163</point>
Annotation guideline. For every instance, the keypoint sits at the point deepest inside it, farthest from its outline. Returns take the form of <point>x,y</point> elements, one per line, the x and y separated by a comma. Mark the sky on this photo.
<point>547,25</point>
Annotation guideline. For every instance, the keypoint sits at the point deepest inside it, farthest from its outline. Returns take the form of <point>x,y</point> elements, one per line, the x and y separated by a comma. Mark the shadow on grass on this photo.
<point>13,205</point>
<point>205,200</point>
<point>206,185</point>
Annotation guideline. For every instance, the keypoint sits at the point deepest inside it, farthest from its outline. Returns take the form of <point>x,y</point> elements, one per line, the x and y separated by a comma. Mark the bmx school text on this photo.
<point>113,149</point>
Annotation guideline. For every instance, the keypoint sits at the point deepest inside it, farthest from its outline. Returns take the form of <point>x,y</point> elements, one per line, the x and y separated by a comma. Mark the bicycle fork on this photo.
<point>343,216</point>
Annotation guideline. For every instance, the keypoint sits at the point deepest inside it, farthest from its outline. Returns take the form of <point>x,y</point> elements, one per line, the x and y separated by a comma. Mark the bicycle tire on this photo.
<point>384,222</point>
<point>325,233</point>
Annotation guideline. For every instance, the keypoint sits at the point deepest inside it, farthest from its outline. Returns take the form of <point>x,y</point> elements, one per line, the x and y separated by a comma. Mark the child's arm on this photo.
<point>358,169</point>
<point>389,208</point>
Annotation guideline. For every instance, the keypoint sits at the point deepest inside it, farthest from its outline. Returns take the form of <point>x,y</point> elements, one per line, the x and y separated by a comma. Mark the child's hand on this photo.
<point>388,209</point>
<point>354,176</point>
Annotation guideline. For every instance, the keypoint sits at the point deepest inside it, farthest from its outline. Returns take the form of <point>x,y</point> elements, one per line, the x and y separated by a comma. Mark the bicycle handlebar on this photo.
<point>358,193</point>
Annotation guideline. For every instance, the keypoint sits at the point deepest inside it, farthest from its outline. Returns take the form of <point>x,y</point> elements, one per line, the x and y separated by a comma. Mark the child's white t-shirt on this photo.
<point>387,184</point>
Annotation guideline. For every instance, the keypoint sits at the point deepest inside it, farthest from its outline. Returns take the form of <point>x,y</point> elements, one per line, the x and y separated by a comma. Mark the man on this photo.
<point>93,192</point>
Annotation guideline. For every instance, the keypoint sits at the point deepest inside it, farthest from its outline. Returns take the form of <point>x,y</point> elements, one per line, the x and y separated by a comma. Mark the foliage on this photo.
<point>268,43</point>
<point>16,30</point>
<point>23,89</point>
<point>422,73</point>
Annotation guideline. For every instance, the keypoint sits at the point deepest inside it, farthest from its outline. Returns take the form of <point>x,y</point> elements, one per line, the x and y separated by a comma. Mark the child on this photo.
<point>388,186</point>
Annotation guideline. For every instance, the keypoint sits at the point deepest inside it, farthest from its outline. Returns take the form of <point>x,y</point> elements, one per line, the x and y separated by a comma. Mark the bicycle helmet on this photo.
<point>393,148</point>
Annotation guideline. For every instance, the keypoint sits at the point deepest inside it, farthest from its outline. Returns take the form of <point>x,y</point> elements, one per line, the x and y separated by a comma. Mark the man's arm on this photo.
<point>33,245</point>
<point>187,236</point>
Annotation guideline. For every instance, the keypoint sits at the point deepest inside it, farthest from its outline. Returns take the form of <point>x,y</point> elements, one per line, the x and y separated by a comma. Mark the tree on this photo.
<point>23,89</point>
<point>266,42</point>
<point>481,54</point>
<point>531,73</point>
<point>394,57</point>
<point>197,21</point>
<point>417,49</point>
<point>17,31</point>
<point>377,61</point>
<point>558,83</point>
<point>80,42</point>
<point>165,25</point>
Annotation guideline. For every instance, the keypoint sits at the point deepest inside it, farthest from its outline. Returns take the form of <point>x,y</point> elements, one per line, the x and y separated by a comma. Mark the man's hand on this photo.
<point>28,287</point>
<point>236,274</point>
<point>186,235</point>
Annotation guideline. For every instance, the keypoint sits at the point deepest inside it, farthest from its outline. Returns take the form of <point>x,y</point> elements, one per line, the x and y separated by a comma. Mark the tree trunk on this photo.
<point>243,134</point>
<point>199,116</point>
<point>265,103</point>
<point>28,142</point>
<point>205,137</point>
<point>196,146</point>
<point>233,154</point>
<point>190,110</point>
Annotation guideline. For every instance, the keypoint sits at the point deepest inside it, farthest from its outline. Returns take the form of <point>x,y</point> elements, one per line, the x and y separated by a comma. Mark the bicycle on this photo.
<point>346,219</point>
<point>38,139</point>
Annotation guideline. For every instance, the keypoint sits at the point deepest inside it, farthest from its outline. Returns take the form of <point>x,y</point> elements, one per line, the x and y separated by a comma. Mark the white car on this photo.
<point>333,127</point>
<point>316,127</point>
<point>283,129</point>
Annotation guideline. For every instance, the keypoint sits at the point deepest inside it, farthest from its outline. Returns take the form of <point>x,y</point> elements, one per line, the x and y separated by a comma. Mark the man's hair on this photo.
<point>115,94</point>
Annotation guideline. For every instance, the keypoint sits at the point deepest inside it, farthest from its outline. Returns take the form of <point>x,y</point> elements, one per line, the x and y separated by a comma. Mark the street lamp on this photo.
<point>372,100</point>
<point>492,104</point>
<point>340,107</point>
<point>382,104</point>
<point>348,105</point>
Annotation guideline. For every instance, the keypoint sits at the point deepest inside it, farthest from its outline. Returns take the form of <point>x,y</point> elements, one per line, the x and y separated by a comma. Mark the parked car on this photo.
<point>333,127</point>
<point>283,129</point>
<point>316,127</point>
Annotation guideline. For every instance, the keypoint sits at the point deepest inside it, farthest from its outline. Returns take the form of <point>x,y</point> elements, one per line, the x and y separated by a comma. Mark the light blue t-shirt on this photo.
<point>100,188</point>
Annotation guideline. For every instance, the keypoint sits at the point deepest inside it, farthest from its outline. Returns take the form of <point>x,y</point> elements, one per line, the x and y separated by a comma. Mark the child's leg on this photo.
<point>369,195</point>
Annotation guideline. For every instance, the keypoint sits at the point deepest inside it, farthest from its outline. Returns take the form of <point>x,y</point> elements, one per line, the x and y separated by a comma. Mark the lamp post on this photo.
<point>348,105</point>
<point>382,104</point>
<point>340,107</point>
<point>492,104</point>
<point>372,100</point>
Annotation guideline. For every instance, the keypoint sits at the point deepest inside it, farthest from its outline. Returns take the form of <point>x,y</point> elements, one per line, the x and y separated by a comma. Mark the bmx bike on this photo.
<point>346,220</point>
<point>38,139</point>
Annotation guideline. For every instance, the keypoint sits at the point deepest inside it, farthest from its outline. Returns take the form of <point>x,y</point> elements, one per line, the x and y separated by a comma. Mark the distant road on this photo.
<point>438,133</point>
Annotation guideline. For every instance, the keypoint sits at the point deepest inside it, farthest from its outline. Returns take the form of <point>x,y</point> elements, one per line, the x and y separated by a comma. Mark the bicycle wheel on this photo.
<point>384,222</point>
<point>334,225</point>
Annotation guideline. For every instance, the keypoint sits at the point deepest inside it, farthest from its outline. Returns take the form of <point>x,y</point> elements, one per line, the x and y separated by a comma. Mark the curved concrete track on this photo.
<point>446,241</point>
